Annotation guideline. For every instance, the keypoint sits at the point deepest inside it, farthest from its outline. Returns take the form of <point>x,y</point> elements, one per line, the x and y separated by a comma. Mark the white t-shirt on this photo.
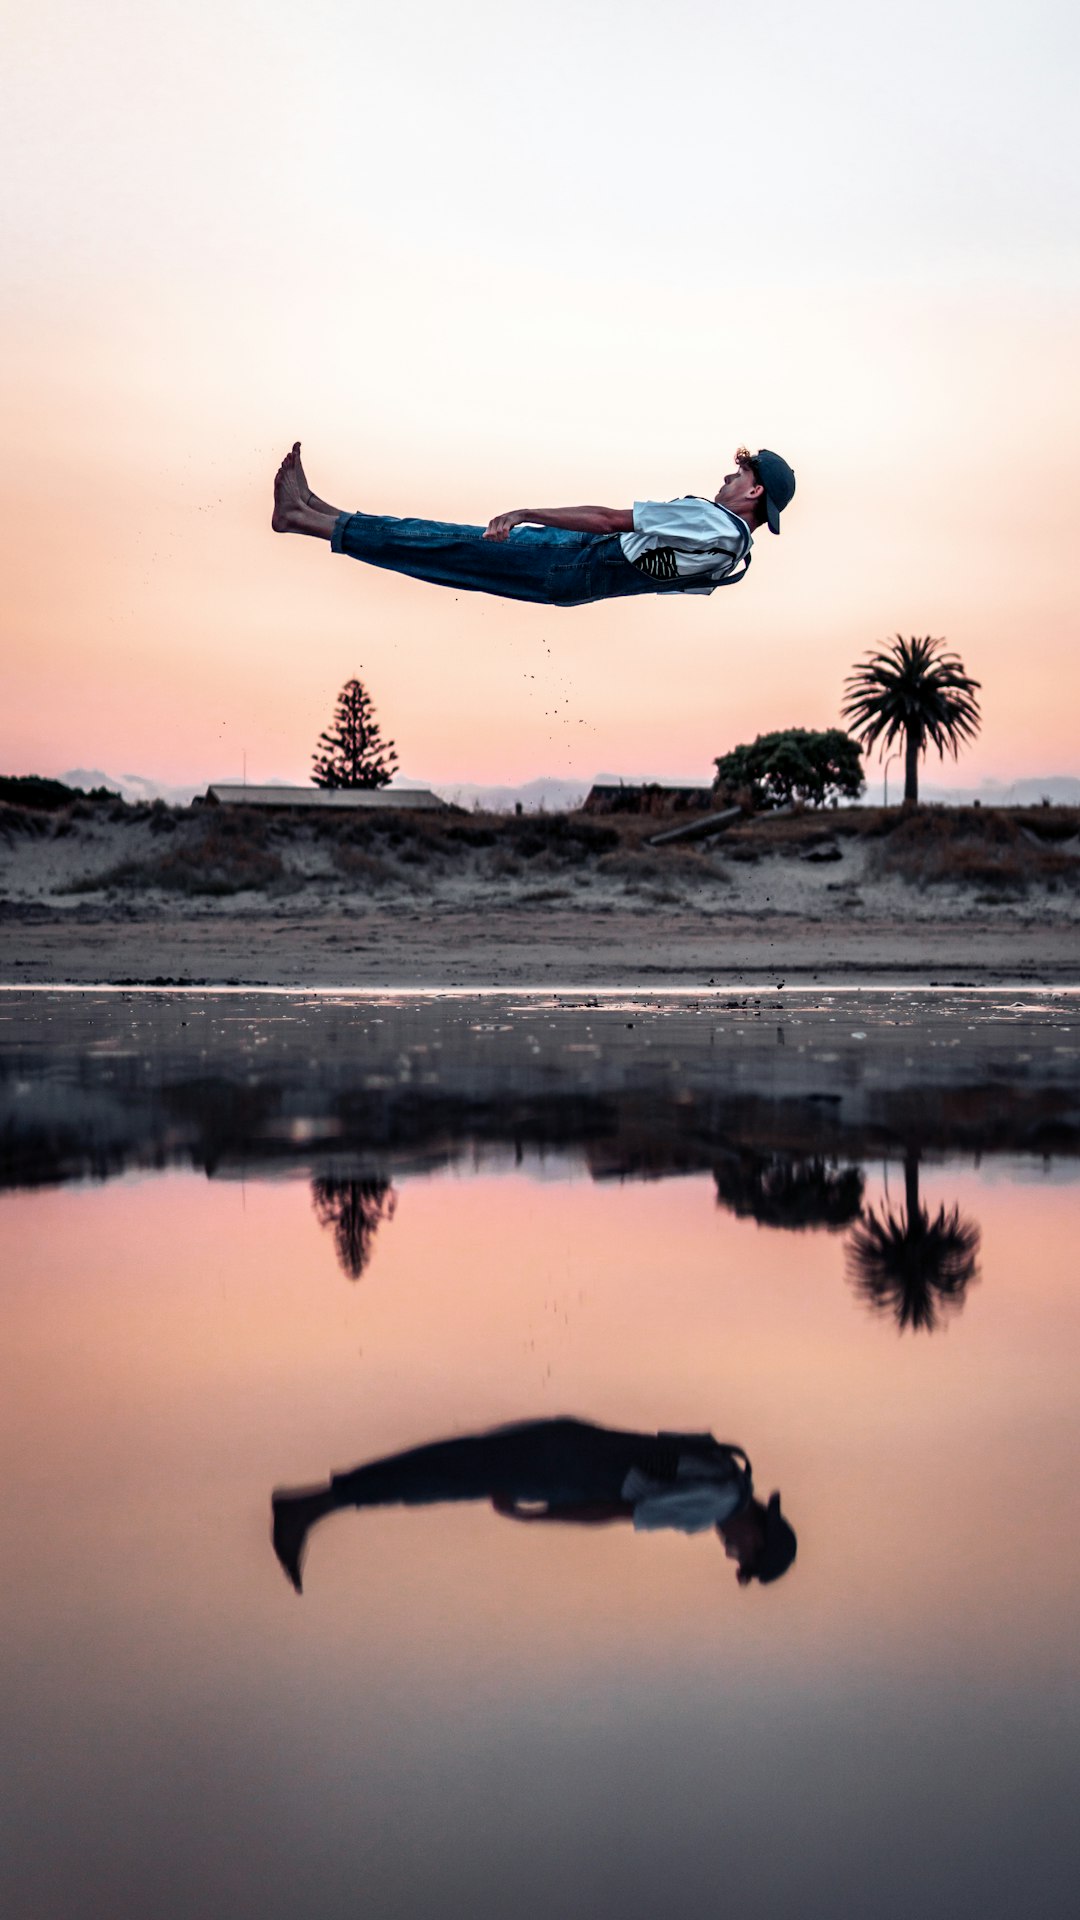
<point>701,1495</point>
<point>691,541</point>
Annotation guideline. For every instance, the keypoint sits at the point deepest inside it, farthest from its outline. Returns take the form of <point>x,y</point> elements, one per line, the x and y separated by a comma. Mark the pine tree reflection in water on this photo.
<point>915,1267</point>
<point>355,1209</point>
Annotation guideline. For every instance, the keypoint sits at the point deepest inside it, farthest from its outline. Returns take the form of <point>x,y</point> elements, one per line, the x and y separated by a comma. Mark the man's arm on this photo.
<point>574,519</point>
<point>593,1513</point>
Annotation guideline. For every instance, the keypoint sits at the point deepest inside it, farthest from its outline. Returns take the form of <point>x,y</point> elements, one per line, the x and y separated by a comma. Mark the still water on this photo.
<point>222,1283</point>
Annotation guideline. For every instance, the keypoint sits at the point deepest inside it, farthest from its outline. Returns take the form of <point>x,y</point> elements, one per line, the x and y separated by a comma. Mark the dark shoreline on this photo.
<point>94,1083</point>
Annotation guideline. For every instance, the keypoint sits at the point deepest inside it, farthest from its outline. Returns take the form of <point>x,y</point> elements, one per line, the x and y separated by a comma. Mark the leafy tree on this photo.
<point>914,1267</point>
<point>915,691</point>
<point>44,795</point>
<point>352,751</point>
<point>796,1194</point>
<point>796,764</point>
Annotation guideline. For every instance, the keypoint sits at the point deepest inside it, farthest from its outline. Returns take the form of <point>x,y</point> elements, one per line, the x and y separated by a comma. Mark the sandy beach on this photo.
<point>525,947</point>
<point>144,895</point>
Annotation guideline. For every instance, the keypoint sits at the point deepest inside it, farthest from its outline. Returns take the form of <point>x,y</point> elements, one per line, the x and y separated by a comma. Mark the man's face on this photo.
<point>743,1538</point>
<point>739,492</point>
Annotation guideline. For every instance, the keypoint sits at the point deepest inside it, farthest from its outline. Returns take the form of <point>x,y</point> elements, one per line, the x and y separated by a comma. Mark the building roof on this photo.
<point>329,799</point>
<point>644,796</point>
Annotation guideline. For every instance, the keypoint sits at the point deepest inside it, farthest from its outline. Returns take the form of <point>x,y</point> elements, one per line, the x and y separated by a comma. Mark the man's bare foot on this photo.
<point>293,512</point>
<point>294,1514</point>
<point>288,500</point>
<point>310,499</point>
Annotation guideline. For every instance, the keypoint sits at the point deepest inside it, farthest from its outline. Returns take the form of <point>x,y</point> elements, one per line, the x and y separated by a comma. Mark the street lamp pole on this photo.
<point>893,756</point>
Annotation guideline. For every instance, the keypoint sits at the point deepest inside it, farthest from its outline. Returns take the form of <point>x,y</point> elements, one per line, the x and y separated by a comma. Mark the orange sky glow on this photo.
<point>469,276</point>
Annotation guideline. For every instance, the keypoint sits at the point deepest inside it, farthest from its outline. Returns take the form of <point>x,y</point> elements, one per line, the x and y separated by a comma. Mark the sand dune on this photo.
<point>145,893</point>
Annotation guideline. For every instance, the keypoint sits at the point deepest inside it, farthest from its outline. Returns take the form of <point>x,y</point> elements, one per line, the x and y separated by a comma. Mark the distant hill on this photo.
<point>548,795</point>
<point>133,787</point>
<point>1061,789</point>
<point>536,796</point>
<point>552,795</point>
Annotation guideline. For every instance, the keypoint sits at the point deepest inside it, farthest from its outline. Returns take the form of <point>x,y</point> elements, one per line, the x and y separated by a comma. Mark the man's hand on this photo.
<point>499,528</point>
<point>585,1513</point>
<point>507,1505</point>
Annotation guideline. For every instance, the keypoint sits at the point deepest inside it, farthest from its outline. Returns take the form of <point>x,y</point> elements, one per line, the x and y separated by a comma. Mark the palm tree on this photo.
<point>914,690</point>
<point>910,1265</point>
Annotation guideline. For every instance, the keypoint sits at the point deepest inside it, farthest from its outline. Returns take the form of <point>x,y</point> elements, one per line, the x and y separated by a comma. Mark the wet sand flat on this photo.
<point>523,946</point>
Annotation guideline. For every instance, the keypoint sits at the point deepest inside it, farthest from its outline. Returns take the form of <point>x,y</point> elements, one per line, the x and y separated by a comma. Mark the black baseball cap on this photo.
<point>779,1547</point>
<point>779,484</point>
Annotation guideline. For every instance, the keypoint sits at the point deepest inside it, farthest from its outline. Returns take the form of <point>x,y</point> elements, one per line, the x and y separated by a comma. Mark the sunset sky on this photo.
<point>479,257</point>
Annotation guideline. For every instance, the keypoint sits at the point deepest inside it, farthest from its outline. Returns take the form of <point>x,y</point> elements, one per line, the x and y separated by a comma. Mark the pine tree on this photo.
<point>352,751</point>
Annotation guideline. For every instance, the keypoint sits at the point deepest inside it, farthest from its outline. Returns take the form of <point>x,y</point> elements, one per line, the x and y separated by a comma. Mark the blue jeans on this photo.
<point>545,564</point>
<point>563,1461</point>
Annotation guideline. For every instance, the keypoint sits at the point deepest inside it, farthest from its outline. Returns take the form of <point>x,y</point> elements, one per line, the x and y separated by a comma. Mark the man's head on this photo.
<point>759,489</point>
<point>760,1540</point>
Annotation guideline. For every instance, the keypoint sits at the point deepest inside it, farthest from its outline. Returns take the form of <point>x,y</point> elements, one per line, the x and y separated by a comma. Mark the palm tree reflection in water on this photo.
<point>355,1209</point>
<point>914,1267</point>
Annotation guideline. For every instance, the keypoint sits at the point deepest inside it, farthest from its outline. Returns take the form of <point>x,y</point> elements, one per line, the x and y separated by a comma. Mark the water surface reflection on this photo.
<point>476,1710</point>
<point>903,1263</point>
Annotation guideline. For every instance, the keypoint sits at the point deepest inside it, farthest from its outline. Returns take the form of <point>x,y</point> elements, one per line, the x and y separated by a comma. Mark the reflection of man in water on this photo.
<point>566,1470</point>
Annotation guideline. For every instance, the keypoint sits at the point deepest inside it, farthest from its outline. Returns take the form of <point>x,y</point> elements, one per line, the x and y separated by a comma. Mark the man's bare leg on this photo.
<point>296,508</point>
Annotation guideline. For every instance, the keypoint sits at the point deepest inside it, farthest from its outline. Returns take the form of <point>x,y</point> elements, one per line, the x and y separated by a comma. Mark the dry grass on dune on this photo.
<point>982,847</point>
<point>216,852</point>
<point>24,823</point>
<point>212,855</point>
<point>210,851</point>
